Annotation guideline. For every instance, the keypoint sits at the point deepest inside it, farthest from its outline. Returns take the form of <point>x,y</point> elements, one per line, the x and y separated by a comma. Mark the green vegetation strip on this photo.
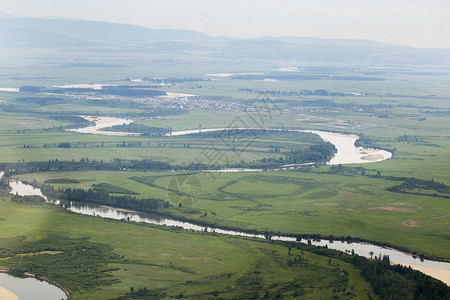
<point>122,260</point>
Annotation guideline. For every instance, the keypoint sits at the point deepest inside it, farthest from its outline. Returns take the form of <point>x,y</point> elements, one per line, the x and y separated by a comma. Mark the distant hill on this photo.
<point>34,32</point>
<point>335,50</point>
<point>63,33</point>
<point>4,15</point>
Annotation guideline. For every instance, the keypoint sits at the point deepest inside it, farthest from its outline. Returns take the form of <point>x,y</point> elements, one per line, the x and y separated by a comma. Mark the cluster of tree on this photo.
<point>109,188</point>
<point>175,79</point>
<point>29,89</point>
<point>29,199</point>
<point>305,77</point>
<point>330,104</point>
<point>340,169</point>
<point>363,141</point>
<point>144,130</point>
<point>321,152</point>
<point>121,90</point>
<point>128,144</point>
<point>21,105</point>
<point>82,122</point>
<point>318,153</point>
<point>77,264</point>
<point>398,282</point>
<point>145,293</point>
<point>389,281</point>
<point>409,138</point>
<point>147,164</point>
<point>65,117</point>
<point>129,91</point>
<point>68,117</point>
<point>101,194</point>
<point>153,112</point>
<point>235,134</point>
<point>62,180</point>
<point>41,100</point>
<point>84,164</point>
<point>4,184</point>
<point>53,90</point>
<point>64,145</point>
<point>410,185</point>
<point>318,92</point>
<point>103,197</point>
<point>419,186</point>
<point>442,112</point>
<point>415,139</point>
<point>113,103</point>
<point>431,96</point>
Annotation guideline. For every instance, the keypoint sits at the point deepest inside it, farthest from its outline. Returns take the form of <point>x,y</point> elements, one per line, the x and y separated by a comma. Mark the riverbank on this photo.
<point>7,295</point>
<point>104,122</point>
<point>37,277</point>
<point>163,262</point>
<point>347,152</point>
<point>442,275</point>
<point>345,244</point>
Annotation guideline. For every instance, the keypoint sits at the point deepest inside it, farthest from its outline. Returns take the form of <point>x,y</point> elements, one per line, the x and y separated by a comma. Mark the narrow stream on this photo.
<point>362,249</point>
<point>347,153</point>
<point>439,270</point>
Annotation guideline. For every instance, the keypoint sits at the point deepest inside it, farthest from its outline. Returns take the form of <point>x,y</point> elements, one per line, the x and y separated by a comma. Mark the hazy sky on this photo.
<point>408,22</point>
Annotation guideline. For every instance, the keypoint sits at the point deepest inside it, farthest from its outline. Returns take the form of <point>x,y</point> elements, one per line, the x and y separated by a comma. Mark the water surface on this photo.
<point>347,152</point>
<point>31,288</point>
<point>362,249</point>
<point>104,122</point>
<point>9,90</point>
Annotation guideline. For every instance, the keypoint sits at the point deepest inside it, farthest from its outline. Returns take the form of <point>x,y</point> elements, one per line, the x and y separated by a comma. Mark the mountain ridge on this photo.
<point>100,27</point>
<point>63,33</point>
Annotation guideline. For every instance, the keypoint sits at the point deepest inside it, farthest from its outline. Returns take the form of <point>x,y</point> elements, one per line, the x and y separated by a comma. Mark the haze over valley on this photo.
<point>145,163</point>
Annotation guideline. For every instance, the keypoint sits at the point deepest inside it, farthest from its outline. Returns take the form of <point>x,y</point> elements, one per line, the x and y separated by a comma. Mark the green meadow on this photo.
<point>291,202</point>
<point>312,202</point>
<point>105,259</point>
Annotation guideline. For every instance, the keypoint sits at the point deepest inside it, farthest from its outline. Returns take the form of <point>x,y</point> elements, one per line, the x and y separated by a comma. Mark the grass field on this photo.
<point>295,202</point>
<point>406,113</point>
<point>425,157</point>
<point>166,262</point>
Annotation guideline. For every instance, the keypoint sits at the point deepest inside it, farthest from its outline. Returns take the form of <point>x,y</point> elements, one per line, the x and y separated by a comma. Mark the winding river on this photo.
<point>439,270</point>
<point>102,123</point>
<point>347,153</point>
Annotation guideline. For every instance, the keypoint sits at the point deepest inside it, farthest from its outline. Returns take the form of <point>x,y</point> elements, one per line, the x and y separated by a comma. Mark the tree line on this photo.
<point>388,281</point>
<point>102,196</point>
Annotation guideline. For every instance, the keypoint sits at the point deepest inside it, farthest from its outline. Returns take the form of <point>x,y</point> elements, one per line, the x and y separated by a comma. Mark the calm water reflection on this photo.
<point>362,249</point>
<point>31,288</point>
